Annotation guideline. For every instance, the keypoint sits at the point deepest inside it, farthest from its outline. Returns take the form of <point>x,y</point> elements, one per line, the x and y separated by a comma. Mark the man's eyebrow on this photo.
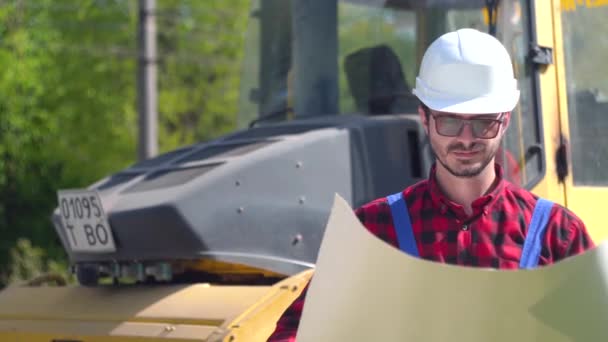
<point>486,116</point>
<point>469,116</point>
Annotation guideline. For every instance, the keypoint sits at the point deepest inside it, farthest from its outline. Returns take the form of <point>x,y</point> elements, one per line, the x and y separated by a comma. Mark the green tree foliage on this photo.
<point>68,98</point>
<point>201,48</point>
<point>29,263</point>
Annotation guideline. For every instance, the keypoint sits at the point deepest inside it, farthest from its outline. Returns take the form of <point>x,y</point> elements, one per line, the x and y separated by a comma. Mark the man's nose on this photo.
<point>467,132</point>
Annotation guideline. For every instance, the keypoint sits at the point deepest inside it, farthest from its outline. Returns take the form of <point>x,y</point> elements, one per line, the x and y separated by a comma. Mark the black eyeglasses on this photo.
<point>482,128</point>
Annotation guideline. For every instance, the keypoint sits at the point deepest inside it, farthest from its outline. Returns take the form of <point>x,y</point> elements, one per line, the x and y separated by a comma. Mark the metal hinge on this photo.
<point>540,55</point>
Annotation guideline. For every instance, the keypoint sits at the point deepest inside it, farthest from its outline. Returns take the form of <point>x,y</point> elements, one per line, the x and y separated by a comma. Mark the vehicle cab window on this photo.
<point>585,54</point>
<point>366,55</point>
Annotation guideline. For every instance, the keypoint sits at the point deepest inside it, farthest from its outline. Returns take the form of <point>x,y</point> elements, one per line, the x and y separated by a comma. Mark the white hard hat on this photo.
<point>467,72</point>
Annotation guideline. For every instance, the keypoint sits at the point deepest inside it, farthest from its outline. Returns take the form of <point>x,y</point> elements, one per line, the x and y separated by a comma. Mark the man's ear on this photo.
<point>507,120</point>
<point>423,116</point>
<point>505,123</point>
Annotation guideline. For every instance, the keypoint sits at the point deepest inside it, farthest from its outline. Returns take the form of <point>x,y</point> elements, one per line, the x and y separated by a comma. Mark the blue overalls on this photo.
<point>532,245</point>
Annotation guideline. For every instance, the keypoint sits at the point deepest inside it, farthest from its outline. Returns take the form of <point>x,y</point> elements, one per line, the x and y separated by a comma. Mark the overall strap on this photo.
<point>534,238</point>
<point>402,224</point>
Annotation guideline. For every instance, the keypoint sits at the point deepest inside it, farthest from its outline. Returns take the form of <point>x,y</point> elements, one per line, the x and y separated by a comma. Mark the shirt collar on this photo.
<point>443,203</point>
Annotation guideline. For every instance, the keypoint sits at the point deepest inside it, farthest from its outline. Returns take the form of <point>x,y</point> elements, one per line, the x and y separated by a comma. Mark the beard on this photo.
<point>469,168</point>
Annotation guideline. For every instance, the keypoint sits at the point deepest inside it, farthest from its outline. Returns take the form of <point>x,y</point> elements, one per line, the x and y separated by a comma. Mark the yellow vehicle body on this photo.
<point>207,312</point>
<point>586,201</point>
<point>173,313</point>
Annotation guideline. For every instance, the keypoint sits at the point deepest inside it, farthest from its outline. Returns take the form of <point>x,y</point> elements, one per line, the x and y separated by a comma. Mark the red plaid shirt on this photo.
<point>493,236</point>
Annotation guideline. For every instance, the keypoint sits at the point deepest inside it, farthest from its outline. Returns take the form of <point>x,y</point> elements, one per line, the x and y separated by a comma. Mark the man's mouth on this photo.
<point>466,154</point>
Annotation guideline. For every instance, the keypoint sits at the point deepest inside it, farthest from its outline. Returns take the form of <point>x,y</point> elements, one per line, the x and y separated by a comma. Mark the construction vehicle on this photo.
<point>212,242</point>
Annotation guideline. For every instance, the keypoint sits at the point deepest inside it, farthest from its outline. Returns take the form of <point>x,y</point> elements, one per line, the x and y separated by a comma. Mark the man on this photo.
<point>466,213</point>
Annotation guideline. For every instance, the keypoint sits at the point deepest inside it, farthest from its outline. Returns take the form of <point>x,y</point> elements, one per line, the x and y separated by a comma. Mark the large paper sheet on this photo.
<point>365,290</point>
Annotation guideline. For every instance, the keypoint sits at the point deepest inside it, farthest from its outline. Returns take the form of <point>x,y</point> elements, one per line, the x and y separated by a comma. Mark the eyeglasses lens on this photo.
<point>482,128</point>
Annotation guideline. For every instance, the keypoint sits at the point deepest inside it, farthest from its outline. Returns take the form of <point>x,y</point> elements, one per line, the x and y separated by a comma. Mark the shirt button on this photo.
<point>465,227</point>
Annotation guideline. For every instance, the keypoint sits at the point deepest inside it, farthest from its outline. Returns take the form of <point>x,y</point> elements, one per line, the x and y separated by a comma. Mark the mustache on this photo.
<point>460,147</point>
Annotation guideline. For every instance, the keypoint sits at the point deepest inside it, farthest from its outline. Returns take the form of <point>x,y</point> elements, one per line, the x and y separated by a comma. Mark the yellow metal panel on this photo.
<point>83,330</point>
<point>571,5</point>
<point>259,322</point>
<point>31,337</point>
<point>589,203</point>
<point>142,311</point>
<point>549,187</point>
<point>586,202</point>
<point>194,304</point>
<point>146,313</point>
<point>562,97</point>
